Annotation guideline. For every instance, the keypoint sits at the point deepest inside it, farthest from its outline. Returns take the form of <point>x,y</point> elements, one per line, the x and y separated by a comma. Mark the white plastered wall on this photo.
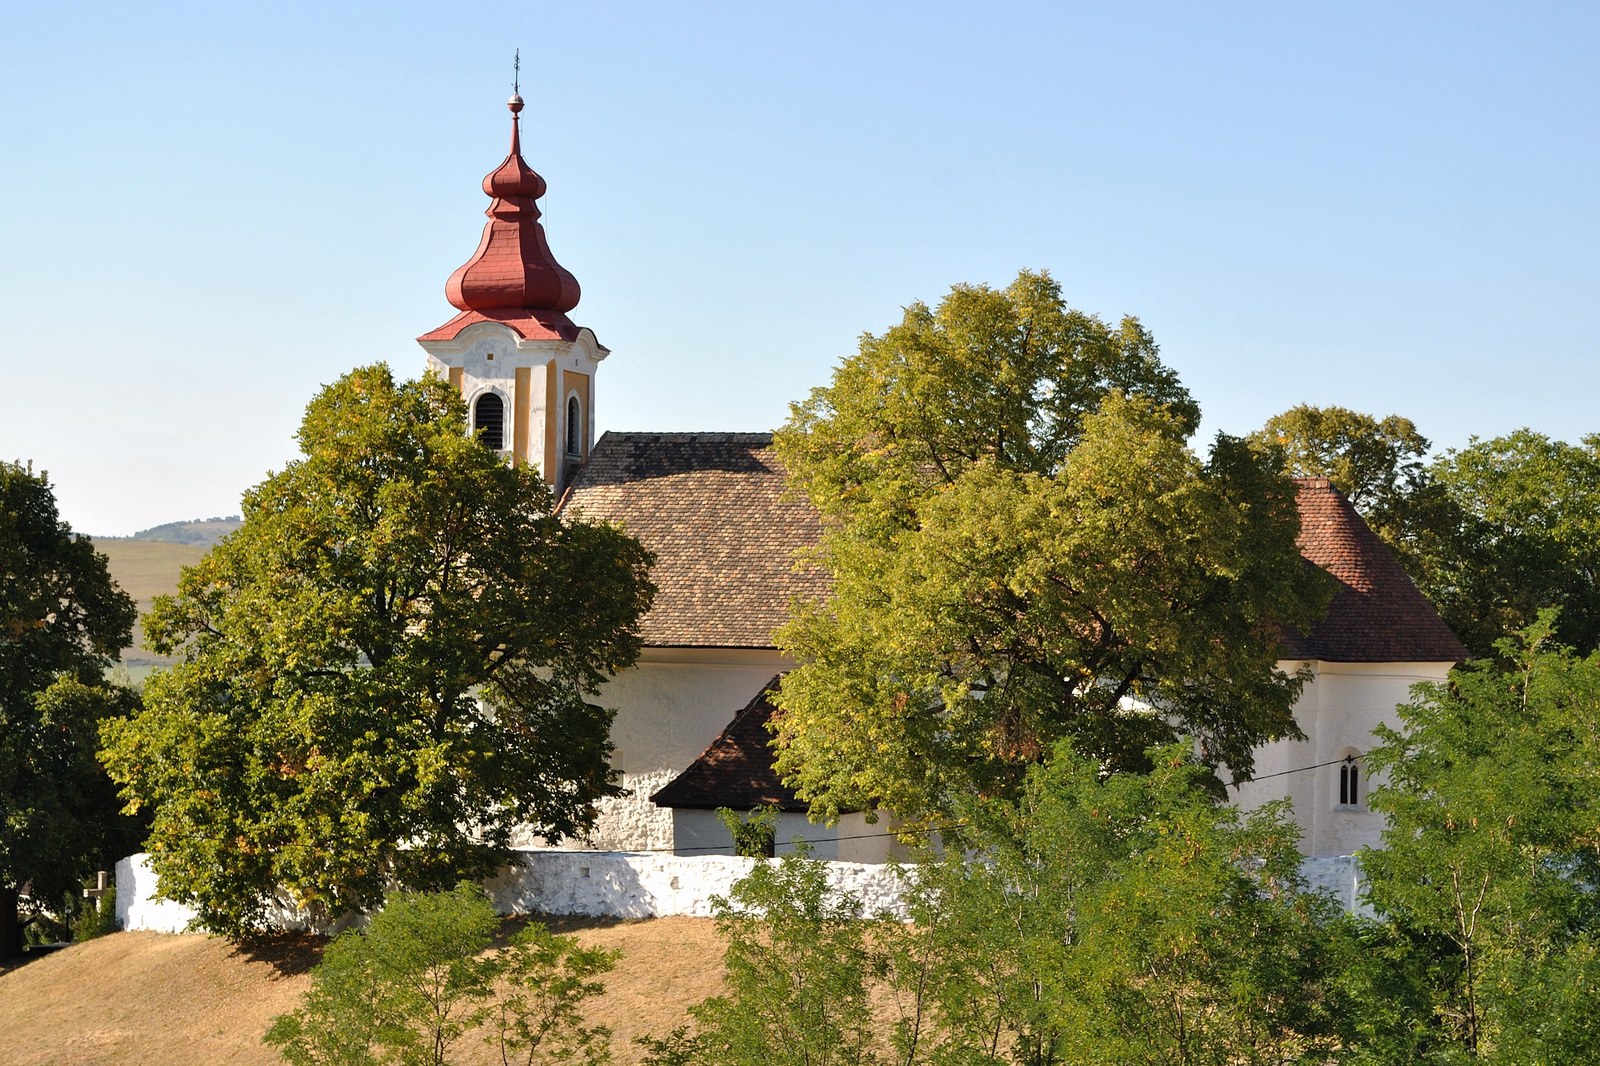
<point>852,840</point>
<point>670,707</point>
<point>1338,710</point>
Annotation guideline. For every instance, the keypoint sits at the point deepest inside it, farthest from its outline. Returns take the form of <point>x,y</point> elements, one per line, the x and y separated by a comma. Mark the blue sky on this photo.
<point>208,211</point>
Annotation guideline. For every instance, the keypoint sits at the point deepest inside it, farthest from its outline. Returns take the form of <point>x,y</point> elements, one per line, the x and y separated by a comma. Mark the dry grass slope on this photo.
<point>157,1000</point>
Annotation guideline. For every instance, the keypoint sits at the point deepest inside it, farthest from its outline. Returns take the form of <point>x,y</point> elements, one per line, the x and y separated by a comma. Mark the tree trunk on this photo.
<point>10,926</point>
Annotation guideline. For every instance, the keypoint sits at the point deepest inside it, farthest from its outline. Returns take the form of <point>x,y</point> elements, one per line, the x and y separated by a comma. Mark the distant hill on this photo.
<point>203,532</point>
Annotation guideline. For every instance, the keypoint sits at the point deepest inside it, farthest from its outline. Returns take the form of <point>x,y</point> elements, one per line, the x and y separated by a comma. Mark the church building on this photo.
<point>690,730</point>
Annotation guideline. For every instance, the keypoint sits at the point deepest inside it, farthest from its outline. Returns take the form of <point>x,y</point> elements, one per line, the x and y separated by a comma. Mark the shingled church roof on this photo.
<point>712,507</point>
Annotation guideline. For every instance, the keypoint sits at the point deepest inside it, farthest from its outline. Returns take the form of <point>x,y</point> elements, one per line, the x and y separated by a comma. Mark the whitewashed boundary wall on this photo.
<point>614,884</point>
<point>626,884</point>
<point>137,907</point>
<point>1340,877</point>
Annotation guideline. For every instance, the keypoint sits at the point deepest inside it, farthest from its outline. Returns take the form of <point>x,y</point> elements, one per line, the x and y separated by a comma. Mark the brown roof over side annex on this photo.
<point>736,770</point>
<point>712,507</point>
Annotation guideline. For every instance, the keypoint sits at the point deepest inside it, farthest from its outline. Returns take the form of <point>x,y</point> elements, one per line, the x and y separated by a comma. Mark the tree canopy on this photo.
<point>1522,532</point>
<point>384,671</point>
<point>1368,459</point>
<point>1023,548</point>
<point>62,622</point>
<point>1489,874</point>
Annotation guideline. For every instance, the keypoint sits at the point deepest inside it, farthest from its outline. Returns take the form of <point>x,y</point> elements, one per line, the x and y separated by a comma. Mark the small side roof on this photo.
<point>1377,614</point>
<point>736,770</point>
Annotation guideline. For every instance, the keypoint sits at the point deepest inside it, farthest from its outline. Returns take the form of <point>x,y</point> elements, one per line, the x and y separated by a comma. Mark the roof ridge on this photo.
<point>645,436</point>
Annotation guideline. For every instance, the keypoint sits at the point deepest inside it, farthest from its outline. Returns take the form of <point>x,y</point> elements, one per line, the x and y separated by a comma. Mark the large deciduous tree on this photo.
<point>1370,460</point>
<point>1523,534</point>
<point>1024,548</point>
<point>385,670</point>
<point>62,621</point>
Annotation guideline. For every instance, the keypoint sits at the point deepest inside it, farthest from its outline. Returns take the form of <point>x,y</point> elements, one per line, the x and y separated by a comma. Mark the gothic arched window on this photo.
<point>1349,782</point>
<point>489,420</point>
<point>574,428</point>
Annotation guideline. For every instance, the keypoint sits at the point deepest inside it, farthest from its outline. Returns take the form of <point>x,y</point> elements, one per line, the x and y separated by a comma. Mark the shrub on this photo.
<point>408,987</point>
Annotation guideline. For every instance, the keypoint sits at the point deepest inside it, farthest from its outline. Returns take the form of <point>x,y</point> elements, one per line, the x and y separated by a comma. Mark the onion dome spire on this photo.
<point>513,268</point>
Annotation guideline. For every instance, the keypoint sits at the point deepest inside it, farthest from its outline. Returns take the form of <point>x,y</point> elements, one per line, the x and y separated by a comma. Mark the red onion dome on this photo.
<point>513,267</point>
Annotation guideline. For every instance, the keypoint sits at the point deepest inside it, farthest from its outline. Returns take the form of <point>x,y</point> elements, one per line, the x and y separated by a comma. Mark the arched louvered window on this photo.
<point>489,420</point>
<point>574,428</point>
<point>1349,782</point>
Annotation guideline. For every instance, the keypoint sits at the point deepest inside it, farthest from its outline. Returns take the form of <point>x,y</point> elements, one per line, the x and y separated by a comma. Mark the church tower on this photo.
<point>526,371</point>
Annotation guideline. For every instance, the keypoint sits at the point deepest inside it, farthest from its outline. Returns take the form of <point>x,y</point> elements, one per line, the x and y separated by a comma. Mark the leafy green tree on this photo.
<point>1489,877</point>
<point>414,982</point>
<point>1023,548</point>
<point>1368,459</point>
<point>62,622</point>
<point>538,1017</point>
<point>754,837</point>
<point>403,990</point>
<point>1524,534</point>
<point>799,973</point>
<point>1123,918</point>
<point>384,670</point>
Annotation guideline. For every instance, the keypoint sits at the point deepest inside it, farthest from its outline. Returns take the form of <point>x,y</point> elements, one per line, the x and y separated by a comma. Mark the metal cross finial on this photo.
<point>516,72</point>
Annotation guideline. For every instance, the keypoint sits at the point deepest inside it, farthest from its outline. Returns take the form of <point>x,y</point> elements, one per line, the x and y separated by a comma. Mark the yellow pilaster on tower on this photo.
<point>552,419</point>
<point>519,432</point>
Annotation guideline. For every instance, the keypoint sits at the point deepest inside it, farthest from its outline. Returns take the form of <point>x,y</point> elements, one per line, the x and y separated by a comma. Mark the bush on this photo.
<point>800,972</point>
<point>755,837</point>
<point>408,987</point>
<point>97,918</point>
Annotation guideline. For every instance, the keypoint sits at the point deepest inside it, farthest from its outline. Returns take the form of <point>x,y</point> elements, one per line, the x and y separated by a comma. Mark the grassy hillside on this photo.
<point>158,1000</point>
<point>146,569</point>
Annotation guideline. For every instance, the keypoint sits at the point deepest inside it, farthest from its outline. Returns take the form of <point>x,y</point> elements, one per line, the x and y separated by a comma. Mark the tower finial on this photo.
<point>515,103</point>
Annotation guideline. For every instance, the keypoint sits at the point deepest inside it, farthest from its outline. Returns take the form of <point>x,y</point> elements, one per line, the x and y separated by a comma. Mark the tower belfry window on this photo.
<point>489,420</point>
<point>574,428</point>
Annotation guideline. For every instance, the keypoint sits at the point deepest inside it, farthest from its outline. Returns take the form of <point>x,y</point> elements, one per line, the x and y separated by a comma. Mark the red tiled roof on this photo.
<point>736,770</point>
<point>712,508</point>
<point>1377,614</point>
